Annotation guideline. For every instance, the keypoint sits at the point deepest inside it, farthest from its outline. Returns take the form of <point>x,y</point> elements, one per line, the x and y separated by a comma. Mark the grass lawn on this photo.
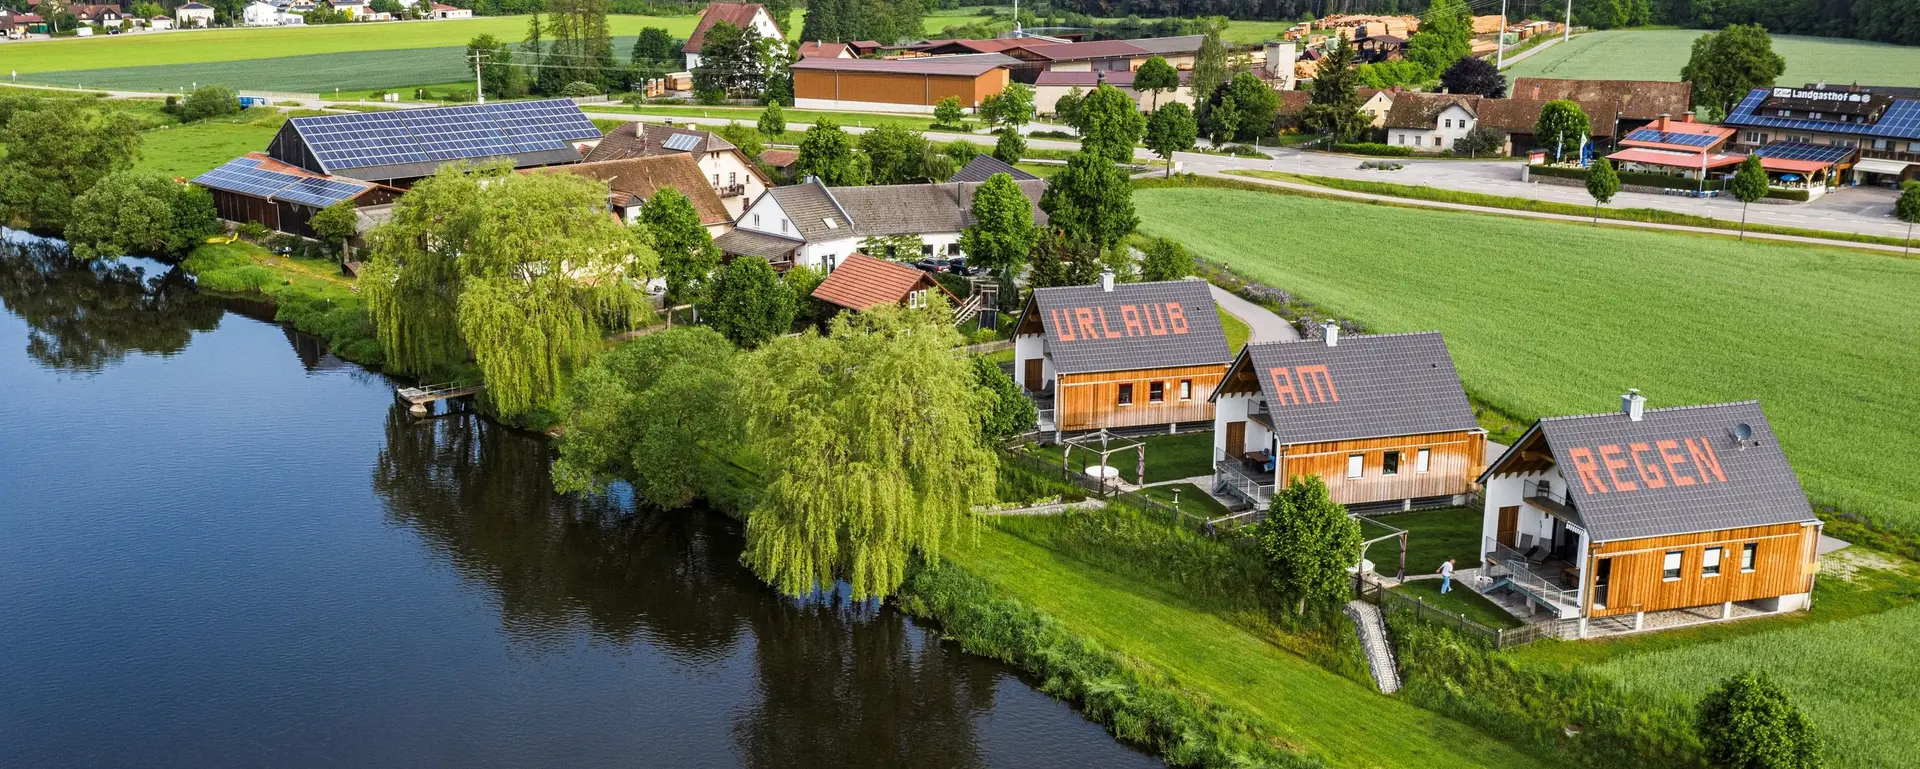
<point>1309,707</point>
<point>1192,499</point>
<point>1037,169</point>
<point>1459,600</point>
<point>1236,330</point>
<point>1433,536</point>
<point>1546,318</point>
<point>1659,54</point>
<point>1169,457</point>
<point>195,148</point>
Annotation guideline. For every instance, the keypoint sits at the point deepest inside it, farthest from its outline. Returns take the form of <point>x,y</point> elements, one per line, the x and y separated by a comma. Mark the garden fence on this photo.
<point>1392,603</point>
<point>1108,490</point>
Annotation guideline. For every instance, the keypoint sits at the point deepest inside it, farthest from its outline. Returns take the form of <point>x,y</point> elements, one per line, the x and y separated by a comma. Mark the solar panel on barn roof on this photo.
<point>441,134</point>
<point>245,176</point>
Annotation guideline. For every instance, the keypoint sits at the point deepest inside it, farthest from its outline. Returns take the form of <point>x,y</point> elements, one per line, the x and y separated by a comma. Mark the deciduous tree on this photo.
<point>1474,75</point>
<point>748,303</point>
<point>1067,110</point>
<point>128,212</point>
<point>1090,201</point>
<point>687,255</point>
<point>1246,109</point>
<point>1907,208</point>
<point>1446,35</point>
<point>1563,126</point>
<point>1749,723</point>
<point>895,155</point>
<point>1210,63</point>
<point>1002,233</point>
<point>1724,66</point>
<point>336,224</point>
<point>1009,109</point>
<point>57,149</point>
<point>194,219</point>
<point>826,152</point>
<point>209,101</point>
<point>1156,76</point>
<point>773,121</point>
<point>1008,413</point>
<point>878,428</point>
<point>1110,124</point>
<point>1171,129</point>
<point>1309,541</point>
<point>948,113</point>
<point>1602,184</point>
<point>1165,259</point>
<point>733,61</point>
<point>1749,184</point>
<point>1009,148</point>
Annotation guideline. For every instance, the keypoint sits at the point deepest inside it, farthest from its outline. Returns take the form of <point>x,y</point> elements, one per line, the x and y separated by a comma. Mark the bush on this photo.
<point>254,231</point>
<point>1052,134</point>
<point>209,101</point>
<point>1796,195</point>
<point>1245,151</point>
<point>579,89</point>
<point>1372,148</point>
<point>711,96</point>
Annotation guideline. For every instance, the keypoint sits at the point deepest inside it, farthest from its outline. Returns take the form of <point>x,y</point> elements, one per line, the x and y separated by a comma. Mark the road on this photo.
<point>1262,323</point>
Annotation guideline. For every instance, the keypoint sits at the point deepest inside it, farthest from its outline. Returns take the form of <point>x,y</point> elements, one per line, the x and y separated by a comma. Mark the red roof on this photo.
<point>830,50</point>
<point>1655,157</point>
<point>737,14</point>
<point>1793,166</point>
<point>862,282</point>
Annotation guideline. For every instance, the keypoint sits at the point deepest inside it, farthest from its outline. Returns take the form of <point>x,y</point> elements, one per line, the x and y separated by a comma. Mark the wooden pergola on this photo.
<point>1105,444</point>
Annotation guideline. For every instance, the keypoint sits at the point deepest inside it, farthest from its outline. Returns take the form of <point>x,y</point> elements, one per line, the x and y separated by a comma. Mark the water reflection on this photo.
<point>85,316</point>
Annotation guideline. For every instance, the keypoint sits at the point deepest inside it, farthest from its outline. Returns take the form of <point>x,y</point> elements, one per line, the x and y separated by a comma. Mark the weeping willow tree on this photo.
<point>877,428</point>
<point>526,271</point>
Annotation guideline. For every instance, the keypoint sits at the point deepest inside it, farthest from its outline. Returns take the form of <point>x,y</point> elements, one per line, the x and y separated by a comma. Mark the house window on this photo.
<point>1390,463</point>
<point>953,249</point>
<point>1880,144</point>
<point>926,250</point>
<point>1354,464</point>
<point>1710,563</point>
<point>716,180</point>
<point>1126,394</point>
<point>1913,146</point>
<point>1157,392</point>
<point>1436,141</point>
<point>1449,122</point>
<point>917,299</point>
<point>1748,554</point>
<point>783,225</point>
<point>756,220</point>
<point>1670,570</point>
<point>732,177</point>
<point>1422,460</point>
<point>1186,389</point>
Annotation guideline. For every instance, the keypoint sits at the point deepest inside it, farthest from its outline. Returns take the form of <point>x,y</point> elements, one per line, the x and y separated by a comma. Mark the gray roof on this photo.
<point>1136,325</point>
<point>1754,486</point>
<point>811,206</point>
<point>981,167</point>
<point>750,243</point>
<point>918,209</point>
<point>966,65</point>
<point>1375,386</point>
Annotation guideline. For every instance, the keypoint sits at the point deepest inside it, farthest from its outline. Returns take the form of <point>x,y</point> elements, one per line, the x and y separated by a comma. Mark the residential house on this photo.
<point>1881,123</point>
<point>1049,86</point>
<point>160,23</point>
<point>1382,419</point>
<point>261,14</point>
<point>1293,105</point>
<point>632,181</point>
<point>812,225</point>
<point>98,15</point>
<point>194,15</point>
<point>898,85</point>
<point>1121,355</point>
<point>1431,122</point>
<point>444,11</point>
<point>1680,148</point>
<point>1377,102</point>
<point>742,15</point>
<point>813,48</point>
<point>256,187</point>
<point>16,26</point>
<point>733,176</point>
<point>983,167</point>
<point>1649,518</point>
<point>353,9</point>
<point>863,283</point>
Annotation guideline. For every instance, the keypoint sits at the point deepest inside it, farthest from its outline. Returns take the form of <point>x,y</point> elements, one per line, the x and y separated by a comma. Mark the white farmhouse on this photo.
<point>741,15</point>
<point>812,225</point>
<point>1431,122</point>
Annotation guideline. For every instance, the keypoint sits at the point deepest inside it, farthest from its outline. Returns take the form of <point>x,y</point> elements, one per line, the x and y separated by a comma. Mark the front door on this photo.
<point>1034,380</point>
<point>1236,439</point>
<point>1509,524</point>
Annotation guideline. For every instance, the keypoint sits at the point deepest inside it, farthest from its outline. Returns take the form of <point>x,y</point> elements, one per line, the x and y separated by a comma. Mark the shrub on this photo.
<point>1372,148</point>
<point>1245,151</point>
<point>1051,134</point>
<point>254,231</point>
<point>711,96</point>
<point>209,101</point>
<point>579,89</point>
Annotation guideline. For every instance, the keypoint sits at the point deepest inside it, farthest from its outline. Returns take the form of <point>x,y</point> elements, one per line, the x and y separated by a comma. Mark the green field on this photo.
<point>195,148</point>
<point>1310,707</point>
<point>1658,54</point>
<point>1549,318</point>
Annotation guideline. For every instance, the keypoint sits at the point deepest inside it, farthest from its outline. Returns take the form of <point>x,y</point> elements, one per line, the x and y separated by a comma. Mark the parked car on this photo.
<point>936,264</point>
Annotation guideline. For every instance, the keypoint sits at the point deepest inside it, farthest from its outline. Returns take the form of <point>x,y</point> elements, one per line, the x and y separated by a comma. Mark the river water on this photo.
<point>220,546</point>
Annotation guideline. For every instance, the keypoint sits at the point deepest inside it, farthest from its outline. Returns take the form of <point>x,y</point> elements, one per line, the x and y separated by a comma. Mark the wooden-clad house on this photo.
<point>1381,418</point>
<point>1691,512</point>
<point>1119,356</point>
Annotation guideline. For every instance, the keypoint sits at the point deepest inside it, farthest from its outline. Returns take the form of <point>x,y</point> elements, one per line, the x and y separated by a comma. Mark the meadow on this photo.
<point>1658,54</point>
<point>1548,318</point>
<point>191,149</point>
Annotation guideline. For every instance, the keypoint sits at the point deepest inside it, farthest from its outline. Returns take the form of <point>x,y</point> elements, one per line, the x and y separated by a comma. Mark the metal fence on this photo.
<point>1111,492</point>
<point>1392,603</point>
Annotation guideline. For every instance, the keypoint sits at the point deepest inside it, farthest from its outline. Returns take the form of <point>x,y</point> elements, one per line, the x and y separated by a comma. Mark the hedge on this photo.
<point>1630,178</point>
<point>1372,148</point>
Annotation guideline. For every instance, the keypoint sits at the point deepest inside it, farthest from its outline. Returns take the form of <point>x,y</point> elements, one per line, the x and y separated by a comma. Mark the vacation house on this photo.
<point>1120,355</point>
<point>1382,419</point>
<point>1649,518</point>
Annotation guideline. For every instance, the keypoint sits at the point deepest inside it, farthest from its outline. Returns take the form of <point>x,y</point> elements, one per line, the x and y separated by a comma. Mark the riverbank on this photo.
<point>309,294</point>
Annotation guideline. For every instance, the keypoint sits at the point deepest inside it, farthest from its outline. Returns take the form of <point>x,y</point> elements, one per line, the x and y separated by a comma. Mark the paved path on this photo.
<point>1372,629</point>
<point>1521,56</point>
<point>1265,325</point>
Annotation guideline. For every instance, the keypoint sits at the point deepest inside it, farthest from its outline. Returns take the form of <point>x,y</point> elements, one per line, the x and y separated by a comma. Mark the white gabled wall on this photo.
<point>1026,347</point>
<point>1452,123</point>
<point>1509,491</point>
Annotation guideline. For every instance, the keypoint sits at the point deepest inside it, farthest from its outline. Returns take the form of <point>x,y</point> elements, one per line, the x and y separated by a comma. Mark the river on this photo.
<point>220,546</point>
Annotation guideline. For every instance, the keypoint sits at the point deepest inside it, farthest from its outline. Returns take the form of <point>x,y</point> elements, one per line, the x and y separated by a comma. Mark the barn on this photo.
<point>1649,518</point>
<point>257,188</point>
<point>1382,419</point>
<point>399,146</point>
<point>898,85</point>
<point>1124,355</point>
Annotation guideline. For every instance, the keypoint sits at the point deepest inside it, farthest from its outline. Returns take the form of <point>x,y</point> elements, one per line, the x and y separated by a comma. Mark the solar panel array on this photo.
<point>1900,121</point>
<point>681,142</point>
<point>440,134</point>
<point>1668,137</point>
<point>246,177</point>
<point>1820,153</point>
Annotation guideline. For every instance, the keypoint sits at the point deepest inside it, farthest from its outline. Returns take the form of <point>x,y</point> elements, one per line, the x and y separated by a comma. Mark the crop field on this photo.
<point>1548,318</point>
<point>1658,54</point>
<point>320,73</point>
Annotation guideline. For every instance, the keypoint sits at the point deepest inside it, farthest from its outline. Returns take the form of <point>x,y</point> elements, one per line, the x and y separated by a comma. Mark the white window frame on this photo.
<point>1186,389</point>
<point>1710,562</point>
<point>1123,395</point>
<point>1162,398</point>
<point>917,298</point>
<point>1671,564</point>
<point>756,220</point>
<point>1356,465</point>
<point>1423,460</point>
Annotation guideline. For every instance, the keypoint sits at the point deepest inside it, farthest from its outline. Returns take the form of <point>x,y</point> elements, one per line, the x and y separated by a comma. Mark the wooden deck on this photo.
<point>425,394</point>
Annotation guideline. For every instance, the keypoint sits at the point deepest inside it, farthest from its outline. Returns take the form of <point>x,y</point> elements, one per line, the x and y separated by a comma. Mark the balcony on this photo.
<point>1244,476</point>
<point>1542,497</point>
<point>1546,581</point>
<point>730,190</point>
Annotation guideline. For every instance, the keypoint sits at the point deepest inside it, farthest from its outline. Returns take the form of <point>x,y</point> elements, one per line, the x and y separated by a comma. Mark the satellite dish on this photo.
<point>1743,432</point>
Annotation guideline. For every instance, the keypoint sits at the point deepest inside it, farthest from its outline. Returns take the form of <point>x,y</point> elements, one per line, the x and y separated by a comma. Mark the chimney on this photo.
<point>1330,331</point>
<point>1633,405</point>
<point>1106,280</point>
<point>1688,117</point>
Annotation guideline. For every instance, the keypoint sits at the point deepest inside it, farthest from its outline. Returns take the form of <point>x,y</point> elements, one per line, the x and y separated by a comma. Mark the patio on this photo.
<point>1249,477</point>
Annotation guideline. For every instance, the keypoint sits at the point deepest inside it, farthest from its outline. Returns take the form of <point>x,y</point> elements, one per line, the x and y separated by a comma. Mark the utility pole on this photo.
<point>1566,31</point>
<point>1500,58</point>
<point>479,90</point>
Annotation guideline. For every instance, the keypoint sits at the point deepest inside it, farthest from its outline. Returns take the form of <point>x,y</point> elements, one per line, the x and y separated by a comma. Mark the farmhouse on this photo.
<point>400,146</point>
<point>1119,356</point>
<point>1883,124</point>
<point>1381,418</point>
<point>863,283</point>
<point>633,181</point>
<point>898,85</point>
<point>1049,86</point>
<point>1431,122</point>
<point>258,188</point>
<point>742,15</point>
<point>734,178</point>
<point>1517,117</point>
<point>814,226</point>
<point>1632,103</point>
<point>1649,518</point>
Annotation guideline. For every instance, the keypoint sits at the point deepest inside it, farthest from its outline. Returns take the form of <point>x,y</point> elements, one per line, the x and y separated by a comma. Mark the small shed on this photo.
<point>862,282</point>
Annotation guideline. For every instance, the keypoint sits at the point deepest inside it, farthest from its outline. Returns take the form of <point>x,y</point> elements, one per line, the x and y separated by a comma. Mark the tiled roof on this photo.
<point>737,14</point>
<point>1294,102</point>
<point>1636,99</point>
<point>917,209</point>
<point>983,167</point>
<point>1422,110</point>
<point>779,158</point>
<point>813,48</point>
<point>643,177</point>
<point>1373,386</point>
<point>1676,471</point>
<point>966,65</point>
<point>862,282</point>
<point>1136,325</point>
<point>1091,79</point>
<point>632,140</point>
<point>772,248</point>
<point>811,207</point>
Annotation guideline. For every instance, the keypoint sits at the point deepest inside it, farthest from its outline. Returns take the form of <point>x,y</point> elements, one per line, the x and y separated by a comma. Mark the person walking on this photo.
<point>1446,576</point>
